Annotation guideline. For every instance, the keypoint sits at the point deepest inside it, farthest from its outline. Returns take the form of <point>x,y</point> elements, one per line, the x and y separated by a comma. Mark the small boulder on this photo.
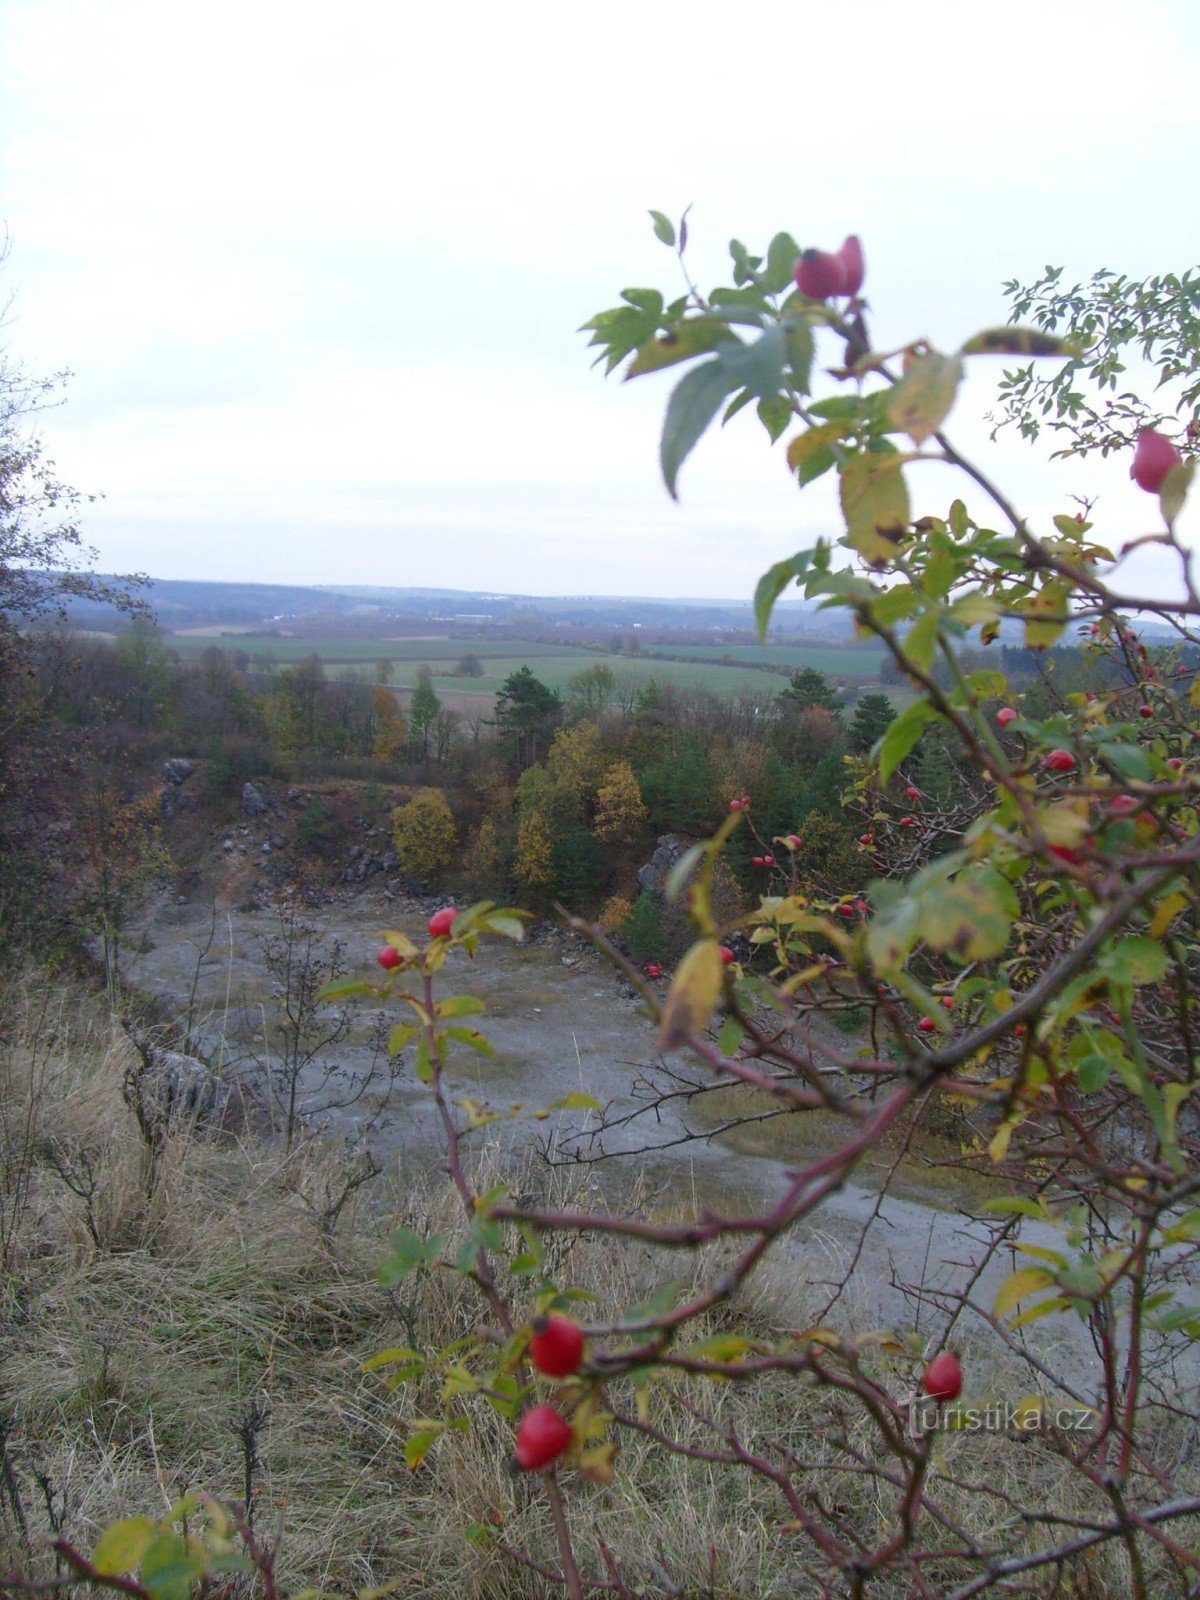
<point>253,804</point>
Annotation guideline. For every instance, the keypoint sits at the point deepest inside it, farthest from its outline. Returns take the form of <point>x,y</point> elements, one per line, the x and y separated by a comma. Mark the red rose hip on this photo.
<point>943,1377</point>
<point>557,1346</point>
<point>853,266</point>
<point>541,1438</point>
<point>820,275</point>
<point>1060,761</point>
<point>1005,715</point>
<point>441,922</point>
<point>726,955</point>
<point>388,957</point>
<point>927,1024</point>
<point>1152,460</point>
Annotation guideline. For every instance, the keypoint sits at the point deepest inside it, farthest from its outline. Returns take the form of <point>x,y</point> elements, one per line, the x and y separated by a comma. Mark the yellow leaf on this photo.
<point>1165,913</point>
<point>123,1544</point>
<point>694,992</point>
<point>812,440</point>
<point>921,401</point>
<point>875,503</point>
<point>1044,1308</point>
<point>1029,1411</point>
<point>596,1464</point>
<point>1065,824</point>
<point>999,1142</point>
<point>1019,1284</point>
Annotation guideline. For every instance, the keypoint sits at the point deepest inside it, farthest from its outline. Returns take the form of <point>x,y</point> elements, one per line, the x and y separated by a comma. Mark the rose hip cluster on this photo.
<point>830,275</point>
<point>556,1349</point>
<point>440,924</point>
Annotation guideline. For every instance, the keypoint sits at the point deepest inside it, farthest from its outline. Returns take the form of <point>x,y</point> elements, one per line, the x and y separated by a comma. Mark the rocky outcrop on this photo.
<point>253,804</point>
<point>164,1087</point>
<point>668,849</point>
<point>177,770</point>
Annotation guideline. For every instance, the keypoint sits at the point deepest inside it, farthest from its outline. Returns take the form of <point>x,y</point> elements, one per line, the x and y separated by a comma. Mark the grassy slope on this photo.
<point>126,1363</point>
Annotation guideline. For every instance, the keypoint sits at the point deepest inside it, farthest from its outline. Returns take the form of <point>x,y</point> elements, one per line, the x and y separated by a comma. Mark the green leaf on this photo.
<point>770,586</point>
<point>1174,491</point>
<point>694,402</point>
<point>409,1251</point>
<point>1128,759</point>
<point>401,1033</point>
<point>418,1445</point>
<point>970,918</point>
<point>1134,959</point>
<point>891,935</point>
<point>782,254</point>
<point>679,874</point>
<point>122,1545</point>
<point>460,1005</point>
<point>390,1358</point>
<point>664,228</point>
<point>577,1100</point>
<point>1017,1204</point>
<point>424,1062</point>
<point>922,400</point>
<point>800,350</point>
<point>775,413</point>
<point>472,1037</point>
<point>757,366</point>
<point>902,735</point>
<point>339,991</point>
<point>731,1035</point>
<point>1019,342</point>
<point>693,994</point>
<point>874,500</point>
<point>169,1568</point>
<point>920,642</point>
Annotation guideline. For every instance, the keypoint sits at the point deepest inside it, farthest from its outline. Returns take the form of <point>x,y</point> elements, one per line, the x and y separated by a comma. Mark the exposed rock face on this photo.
<point>171,798</point>
<point>669,848</point>
<point>253,804</point>
<point>177,769</point>
<point>166,1086</point>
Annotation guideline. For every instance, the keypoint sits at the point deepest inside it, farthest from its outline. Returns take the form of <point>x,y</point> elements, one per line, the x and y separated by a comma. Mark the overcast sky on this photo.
<point>317,270</point>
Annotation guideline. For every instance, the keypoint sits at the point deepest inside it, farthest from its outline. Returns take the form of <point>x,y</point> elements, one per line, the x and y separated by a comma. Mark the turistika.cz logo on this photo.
<point>1031,1415</point>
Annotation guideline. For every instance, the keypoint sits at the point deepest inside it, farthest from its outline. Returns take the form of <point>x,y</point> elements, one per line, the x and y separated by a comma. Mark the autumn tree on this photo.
<point>388,738</point>
<point>424,834</point>
<point>621,813</point>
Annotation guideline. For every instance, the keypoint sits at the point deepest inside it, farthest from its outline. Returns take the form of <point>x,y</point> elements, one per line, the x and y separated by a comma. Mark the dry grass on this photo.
<point>127,1360</point>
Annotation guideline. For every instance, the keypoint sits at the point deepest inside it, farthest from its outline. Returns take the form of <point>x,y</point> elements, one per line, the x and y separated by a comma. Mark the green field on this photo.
<point>555,665</point>
<point>836,661</point>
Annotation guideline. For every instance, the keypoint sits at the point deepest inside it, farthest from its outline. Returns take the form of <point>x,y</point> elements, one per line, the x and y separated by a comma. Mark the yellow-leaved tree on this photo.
<point>424,834</point>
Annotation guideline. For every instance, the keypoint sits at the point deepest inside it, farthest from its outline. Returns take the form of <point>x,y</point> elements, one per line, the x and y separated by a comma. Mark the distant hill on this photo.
<point>183,603</point>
